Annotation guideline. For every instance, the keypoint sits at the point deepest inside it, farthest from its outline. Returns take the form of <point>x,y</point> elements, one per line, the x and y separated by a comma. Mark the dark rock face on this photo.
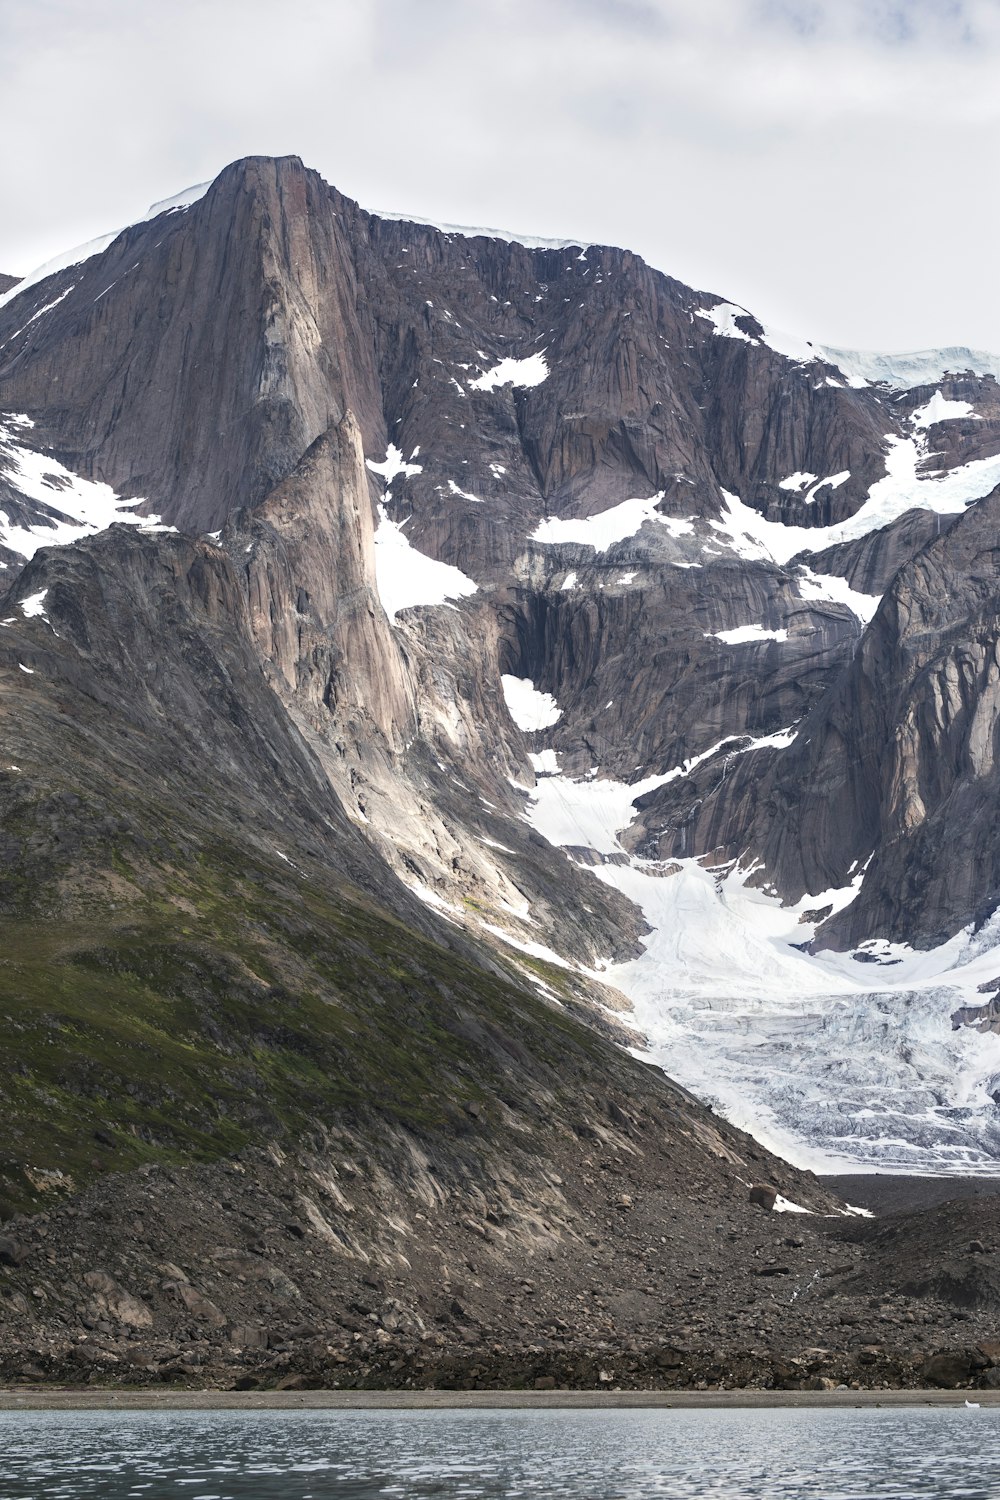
<point>7,282</point>
<point>896,763</point>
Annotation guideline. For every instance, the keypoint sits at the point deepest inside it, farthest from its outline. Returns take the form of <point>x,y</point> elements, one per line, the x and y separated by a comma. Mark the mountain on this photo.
<point>431,665</point>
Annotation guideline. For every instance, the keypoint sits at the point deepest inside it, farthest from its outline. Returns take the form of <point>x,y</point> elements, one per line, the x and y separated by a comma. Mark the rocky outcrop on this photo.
<point>894,768</point>
<point>307,560</point>
<point>139,670</point>
<point>619,1260</point>
<point>870,563</point>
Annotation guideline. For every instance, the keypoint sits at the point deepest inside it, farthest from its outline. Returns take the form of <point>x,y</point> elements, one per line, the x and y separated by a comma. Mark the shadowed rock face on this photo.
<point>143,673</point>
<point>896,763</point>
<point>6,282</point>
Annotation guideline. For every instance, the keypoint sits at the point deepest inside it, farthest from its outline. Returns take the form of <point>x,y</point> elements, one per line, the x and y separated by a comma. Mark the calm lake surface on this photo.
<point>579,1455</point>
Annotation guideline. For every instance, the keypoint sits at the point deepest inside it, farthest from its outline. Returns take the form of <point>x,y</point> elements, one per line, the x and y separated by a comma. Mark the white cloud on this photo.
<point>826,164</point>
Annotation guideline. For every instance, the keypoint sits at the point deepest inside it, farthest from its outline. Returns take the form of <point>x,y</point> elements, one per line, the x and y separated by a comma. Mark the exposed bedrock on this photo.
<point>897,763</point>
<point>872,561</point>
<point>307,558</point>
<point>636,694</point>
<point>316,397</point>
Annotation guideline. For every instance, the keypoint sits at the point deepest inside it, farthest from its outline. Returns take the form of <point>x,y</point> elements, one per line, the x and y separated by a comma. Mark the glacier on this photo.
<point>839,1062</point>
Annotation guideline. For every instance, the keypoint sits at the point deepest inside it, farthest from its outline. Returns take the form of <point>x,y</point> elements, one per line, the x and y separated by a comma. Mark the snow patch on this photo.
<point>463,494</point>
<point>590,814</point>
<point>80,506</point>
<point>545,762</point>
<point>723,316</point>
<point>517,372</point>
<point>534,950</point>
<point>797,481</point>
<point>828,587</point>
<point>744,633</point>
<point>903,488</point>
<point>833,482</point>
<point>34,606</point>
<point>611,526</point>
<point>530,708</point>
<point>408,579</point>
<point>940,409</point>
<point>394,464</point>
<point>431,898</point>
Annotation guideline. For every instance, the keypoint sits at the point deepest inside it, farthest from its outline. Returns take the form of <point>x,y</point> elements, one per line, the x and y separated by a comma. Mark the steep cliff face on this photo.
<point>911,738</point>
<point>309,573</point>
<point>893,769</point>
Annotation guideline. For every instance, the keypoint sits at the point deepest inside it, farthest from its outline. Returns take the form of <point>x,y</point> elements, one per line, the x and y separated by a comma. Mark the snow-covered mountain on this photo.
<point>652,647</point>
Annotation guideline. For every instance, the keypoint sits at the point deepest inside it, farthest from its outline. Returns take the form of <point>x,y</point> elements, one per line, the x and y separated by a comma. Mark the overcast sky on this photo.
<point>831,164</point>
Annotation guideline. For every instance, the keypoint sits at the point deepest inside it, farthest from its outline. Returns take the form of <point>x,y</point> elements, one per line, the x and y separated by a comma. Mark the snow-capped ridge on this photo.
<point>860,367</point>
<point>90,248</point>
<point>469,232</point>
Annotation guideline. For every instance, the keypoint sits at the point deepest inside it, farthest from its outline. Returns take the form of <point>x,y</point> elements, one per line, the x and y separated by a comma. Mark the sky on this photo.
<point>828,164</point>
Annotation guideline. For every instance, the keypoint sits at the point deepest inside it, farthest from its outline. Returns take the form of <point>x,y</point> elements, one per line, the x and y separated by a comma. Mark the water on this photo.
<point>538,1455</point>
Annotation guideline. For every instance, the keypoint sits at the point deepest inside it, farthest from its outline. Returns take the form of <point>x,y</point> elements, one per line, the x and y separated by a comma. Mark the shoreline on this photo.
<point>26,1398</point>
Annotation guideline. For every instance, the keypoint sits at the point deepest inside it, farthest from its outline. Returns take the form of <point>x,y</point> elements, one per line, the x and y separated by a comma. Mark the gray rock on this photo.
<point>12,1253</point>
<point>764,1195</point>
<point>949,1370</point>
<point>110,1298</point>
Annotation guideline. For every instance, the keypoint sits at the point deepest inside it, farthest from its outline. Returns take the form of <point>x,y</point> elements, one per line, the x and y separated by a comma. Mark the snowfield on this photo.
<point>905,486</point>
<point>523,373</point>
